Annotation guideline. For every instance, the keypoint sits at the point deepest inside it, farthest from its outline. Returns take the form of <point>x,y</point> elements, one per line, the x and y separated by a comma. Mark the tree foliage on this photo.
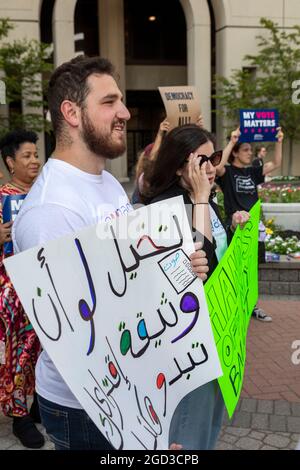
<point>25,65</point>
<point>266,80</point>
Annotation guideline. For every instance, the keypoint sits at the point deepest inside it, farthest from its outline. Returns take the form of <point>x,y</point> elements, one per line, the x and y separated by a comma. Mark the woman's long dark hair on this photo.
<point>174,150</point>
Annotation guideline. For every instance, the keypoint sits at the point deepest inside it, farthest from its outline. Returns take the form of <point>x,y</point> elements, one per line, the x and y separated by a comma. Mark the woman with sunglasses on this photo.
<point>186,165</point>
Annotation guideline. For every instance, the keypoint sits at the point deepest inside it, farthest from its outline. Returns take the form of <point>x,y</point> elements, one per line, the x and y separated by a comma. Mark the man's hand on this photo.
<point>199,262</point>
<point>5,233</point>
<point>175,446</point>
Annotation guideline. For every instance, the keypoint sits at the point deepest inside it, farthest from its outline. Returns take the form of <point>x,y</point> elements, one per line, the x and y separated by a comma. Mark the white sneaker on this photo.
<point>259,314</point>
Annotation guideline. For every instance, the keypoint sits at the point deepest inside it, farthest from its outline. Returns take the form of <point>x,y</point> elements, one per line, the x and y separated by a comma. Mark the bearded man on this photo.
<point>72,192</point>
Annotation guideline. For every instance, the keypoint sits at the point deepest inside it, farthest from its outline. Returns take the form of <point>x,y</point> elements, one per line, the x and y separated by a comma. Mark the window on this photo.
<point>155,32</point>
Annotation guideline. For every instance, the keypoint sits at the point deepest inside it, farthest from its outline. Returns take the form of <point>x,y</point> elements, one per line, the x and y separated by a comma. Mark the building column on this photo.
<point>63,31</point>
<point>199,52</point>
<point>112,47</point>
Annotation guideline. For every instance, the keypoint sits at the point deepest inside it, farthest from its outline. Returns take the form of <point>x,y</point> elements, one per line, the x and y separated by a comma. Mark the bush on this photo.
<point>282,246</point>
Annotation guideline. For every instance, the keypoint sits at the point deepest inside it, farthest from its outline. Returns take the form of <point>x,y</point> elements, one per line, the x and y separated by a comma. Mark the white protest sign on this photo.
<point>128,333</point>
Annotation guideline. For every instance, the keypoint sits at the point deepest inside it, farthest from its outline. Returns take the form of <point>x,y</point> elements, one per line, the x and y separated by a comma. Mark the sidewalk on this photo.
<point>268,413</point>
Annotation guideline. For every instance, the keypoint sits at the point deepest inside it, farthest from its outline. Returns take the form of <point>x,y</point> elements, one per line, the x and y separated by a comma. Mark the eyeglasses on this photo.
<point>215,158</point>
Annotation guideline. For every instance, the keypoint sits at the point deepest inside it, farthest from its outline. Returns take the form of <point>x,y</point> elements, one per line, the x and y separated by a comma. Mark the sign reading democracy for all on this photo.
<point>182,104</point>
<point>258,125</point>
<point>124,319</point>
<point>231,293</point>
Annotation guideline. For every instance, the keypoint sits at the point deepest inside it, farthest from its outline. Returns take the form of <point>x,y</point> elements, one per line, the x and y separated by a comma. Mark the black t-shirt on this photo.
<point>239,186</point>
<point>257,162</point>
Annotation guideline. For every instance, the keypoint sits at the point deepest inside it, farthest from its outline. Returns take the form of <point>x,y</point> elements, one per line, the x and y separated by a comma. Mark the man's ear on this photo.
<point>179,172</point>
<point>70,112</point>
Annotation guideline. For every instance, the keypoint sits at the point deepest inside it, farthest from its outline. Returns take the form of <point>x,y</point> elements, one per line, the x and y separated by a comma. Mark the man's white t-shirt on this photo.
<point>63,200</point>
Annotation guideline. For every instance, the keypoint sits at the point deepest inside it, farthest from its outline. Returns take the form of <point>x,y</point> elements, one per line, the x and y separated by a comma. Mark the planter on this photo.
<point>282,278</point>
<point>285,214</point>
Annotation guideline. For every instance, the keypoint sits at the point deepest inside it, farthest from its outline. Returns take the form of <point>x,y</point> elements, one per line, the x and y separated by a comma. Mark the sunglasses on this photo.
<point>215,158</point>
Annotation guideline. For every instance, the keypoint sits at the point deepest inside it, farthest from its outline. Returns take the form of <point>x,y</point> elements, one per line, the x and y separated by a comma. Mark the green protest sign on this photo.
<point>231,294</point>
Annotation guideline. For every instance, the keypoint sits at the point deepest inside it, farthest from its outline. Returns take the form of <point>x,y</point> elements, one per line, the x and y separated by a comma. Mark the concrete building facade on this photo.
<point>219,33</point>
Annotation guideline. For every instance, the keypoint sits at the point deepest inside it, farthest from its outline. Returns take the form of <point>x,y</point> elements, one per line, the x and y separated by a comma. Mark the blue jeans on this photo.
<point>198,418</point>
<point>70,428</point>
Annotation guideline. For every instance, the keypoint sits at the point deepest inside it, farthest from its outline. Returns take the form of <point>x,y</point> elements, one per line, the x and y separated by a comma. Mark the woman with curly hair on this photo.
<point>20,346</point>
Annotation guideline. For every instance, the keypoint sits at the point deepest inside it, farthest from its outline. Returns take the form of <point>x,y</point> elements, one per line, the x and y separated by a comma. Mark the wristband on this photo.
<point>196,203</point>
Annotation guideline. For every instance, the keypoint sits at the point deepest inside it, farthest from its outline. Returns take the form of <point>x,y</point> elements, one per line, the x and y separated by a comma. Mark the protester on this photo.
<point>17,378</point>
<point>72,192</point>
<point>239,181</point>
<point>260,154</point>
<point>186,166</point>
<point>146,159</point>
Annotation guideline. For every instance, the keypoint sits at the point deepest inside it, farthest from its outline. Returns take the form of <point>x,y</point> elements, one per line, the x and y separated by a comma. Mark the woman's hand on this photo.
<point>239,218</point>
<point>200,121</point>
<point>164,126</point>
<point>5,233</point>
<point>199,262</point>
<point>198,179</point>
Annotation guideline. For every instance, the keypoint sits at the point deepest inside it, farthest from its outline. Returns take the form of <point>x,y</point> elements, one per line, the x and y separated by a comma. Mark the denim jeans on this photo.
<point>70,428</point>
<point>198,418</point>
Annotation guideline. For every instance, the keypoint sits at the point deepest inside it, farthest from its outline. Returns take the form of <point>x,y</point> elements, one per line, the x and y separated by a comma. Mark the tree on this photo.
<point>25,65</point>
<point>267,81</point>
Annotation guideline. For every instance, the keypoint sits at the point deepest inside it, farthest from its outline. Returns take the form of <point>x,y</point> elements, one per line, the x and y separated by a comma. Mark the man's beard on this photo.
<point>99,144</point>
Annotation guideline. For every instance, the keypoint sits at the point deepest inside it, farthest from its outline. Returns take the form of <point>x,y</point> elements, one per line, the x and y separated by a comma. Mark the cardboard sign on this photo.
<point>124,319</point>
<point>11,204</point>
<point>231,293</point>
<point>181,103</point>
<point>258,125</point>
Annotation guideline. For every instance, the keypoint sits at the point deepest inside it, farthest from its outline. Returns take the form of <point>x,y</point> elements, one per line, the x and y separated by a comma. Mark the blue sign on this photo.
<point>11,204</point>
<point>258,125</point>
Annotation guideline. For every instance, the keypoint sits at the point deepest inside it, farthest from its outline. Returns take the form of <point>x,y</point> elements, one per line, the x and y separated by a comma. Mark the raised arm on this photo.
<point>220,169</point>
<point>163,127</point>
<point>276,162</point>
<point>200,121</point>
<point>200,192</point>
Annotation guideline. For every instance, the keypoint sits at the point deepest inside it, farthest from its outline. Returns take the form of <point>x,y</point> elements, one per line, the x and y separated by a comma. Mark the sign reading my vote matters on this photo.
<point>11,204</point>
<point>124,319</point>
<point>258,125</point>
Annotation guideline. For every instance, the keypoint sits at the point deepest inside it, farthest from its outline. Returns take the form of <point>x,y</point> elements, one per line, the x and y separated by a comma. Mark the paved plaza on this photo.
<point>268,413</point>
